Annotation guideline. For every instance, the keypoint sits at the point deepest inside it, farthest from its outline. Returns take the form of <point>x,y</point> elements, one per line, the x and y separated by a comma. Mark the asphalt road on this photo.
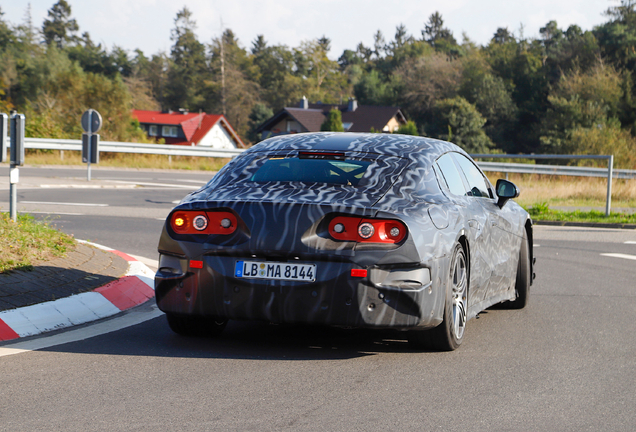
<point>566,362</point>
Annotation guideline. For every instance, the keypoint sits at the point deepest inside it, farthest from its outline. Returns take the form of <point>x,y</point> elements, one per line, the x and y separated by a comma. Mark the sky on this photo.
<point>146,24</point>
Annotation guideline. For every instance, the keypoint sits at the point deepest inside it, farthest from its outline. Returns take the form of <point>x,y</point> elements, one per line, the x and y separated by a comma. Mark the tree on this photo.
<point>188,66</point>
<point>322,78</point>
<point>325,43</point>
<point>275,65</point>
<point>240,77</point>
<point>91,57</point>
<point>6,35</point>
<point>333,121</point>
<point>458,121</point>
<point>520,65</point>
<point>259,45</point>
<point>425,80</point>
<point>617,38</point>
<point>438,36</point>
<point>372,90</point>
<point>588,100</point>
<point>410,128</point>
<point>502,36</point>
<point>379,44</point>
<point>260,113</point>
<point>603,140</point>
<point>26,32</point>
<point>60,28</point>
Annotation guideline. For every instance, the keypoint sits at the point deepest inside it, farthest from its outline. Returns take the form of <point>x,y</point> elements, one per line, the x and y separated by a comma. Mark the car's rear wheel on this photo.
<point>449,334</point>
<point>188,325</point>
<point>522,284</point>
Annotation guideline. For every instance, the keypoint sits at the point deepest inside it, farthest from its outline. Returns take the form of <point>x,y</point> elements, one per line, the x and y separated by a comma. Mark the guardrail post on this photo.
<point>610,172</point>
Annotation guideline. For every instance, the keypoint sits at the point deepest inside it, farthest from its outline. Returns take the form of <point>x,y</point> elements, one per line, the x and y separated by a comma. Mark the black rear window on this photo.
<point>295,169</point>
<point>368,173</point>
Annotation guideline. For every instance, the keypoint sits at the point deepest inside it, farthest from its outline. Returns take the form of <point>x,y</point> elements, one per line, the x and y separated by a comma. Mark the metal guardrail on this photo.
<point>178,150</point>
<point>608,172</point>
<point>140,148</point>
<point>521,168</point>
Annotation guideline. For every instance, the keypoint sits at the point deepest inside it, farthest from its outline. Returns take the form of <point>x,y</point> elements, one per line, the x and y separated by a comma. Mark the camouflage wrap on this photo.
<point>406,283</point>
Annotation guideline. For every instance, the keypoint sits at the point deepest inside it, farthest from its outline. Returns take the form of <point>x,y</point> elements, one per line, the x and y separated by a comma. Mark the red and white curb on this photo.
<point>134,288</point>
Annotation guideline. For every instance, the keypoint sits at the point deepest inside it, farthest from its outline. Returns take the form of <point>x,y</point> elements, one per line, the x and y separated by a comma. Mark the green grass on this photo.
<point>543,212</point>
<point>26,241</point>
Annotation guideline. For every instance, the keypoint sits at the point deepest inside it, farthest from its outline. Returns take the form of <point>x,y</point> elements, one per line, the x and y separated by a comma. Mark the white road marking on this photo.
<point>54,213</point>
<point>193,181</point>
<point>158,184</point>
<point>630,242</point>
<point>134,317</point>
<point>618,255</point>
<point>80,186</point>
<point>124,178</point>
<point>66,204</point>
<point>536,245</point>
<point>176,202</point>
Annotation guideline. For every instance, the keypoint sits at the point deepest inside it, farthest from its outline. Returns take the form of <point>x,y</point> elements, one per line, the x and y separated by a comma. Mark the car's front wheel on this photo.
<point>522,284</point>
<point>188,325</point>
<point>449,334</point>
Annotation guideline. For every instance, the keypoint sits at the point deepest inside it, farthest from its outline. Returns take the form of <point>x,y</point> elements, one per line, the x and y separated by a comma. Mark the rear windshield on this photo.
<point>368,173</point>
<point>294,169</point>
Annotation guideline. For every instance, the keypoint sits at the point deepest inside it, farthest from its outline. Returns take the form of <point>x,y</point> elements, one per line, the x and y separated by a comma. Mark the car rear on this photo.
<point>293,236</point>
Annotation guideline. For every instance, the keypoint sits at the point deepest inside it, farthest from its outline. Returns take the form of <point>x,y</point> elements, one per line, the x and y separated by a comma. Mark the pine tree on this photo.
<point>333,121</point>
<point>59,29</point>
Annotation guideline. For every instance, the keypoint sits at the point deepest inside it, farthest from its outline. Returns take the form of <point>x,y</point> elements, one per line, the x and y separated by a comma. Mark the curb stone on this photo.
<point>132,289</point>
<point>584,224</point>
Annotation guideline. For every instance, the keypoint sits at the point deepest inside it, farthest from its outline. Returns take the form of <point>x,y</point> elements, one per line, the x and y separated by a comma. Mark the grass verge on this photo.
<point>543,212</point>
<point>570,191</point>
<point>26,241</point>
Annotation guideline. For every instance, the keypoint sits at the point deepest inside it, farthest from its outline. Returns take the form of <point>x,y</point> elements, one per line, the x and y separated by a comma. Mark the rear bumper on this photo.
<point>386,298</point>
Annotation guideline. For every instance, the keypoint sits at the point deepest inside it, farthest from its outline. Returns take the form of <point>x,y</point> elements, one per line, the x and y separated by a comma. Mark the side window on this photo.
<point>476,181</point>
<point>451,175</point>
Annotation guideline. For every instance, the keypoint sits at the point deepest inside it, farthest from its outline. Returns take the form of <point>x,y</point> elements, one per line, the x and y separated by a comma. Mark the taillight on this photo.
<point>348,228</point>
<point>201,222</point>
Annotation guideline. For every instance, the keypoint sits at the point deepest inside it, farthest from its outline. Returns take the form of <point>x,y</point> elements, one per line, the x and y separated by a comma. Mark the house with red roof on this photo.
<point>355,118</point>
<point>185,128</point>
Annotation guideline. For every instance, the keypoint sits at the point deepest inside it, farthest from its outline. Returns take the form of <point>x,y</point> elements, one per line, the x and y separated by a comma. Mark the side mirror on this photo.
<point>505,190</point>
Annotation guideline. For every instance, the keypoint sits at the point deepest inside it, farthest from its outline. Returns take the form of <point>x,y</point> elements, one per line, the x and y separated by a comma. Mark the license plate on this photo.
<point>275,271</point>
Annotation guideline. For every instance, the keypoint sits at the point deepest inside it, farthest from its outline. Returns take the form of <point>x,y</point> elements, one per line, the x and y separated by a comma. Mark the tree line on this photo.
<point>566,91</point>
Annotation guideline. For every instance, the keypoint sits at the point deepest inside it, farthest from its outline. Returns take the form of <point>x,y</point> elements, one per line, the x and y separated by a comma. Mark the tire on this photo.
<point>522,284</point>
<point>187,325</point>
<point>449,335</point>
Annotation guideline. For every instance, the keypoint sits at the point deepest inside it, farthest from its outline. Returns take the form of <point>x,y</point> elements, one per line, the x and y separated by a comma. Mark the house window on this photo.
<point>293,126</point>
<point>152,130</point>
<point>169,131</point>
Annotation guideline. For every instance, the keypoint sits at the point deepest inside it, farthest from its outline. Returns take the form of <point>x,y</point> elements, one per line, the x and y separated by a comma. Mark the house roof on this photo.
<point>195,126</point>
<point>310,119</point>
<point>362,119</point>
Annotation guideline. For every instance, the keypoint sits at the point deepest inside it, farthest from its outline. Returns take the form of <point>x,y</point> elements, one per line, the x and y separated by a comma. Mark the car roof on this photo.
<point>386,144</point>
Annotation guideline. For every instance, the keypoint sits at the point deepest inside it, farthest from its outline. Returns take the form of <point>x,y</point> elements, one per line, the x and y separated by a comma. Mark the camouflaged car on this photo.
<point>345,229</point>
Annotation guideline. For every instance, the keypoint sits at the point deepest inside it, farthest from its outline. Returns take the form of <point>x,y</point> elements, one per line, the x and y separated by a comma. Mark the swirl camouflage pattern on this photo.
<point>344,229</point>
